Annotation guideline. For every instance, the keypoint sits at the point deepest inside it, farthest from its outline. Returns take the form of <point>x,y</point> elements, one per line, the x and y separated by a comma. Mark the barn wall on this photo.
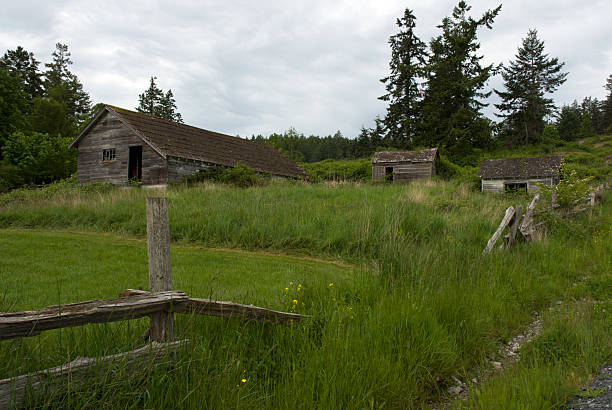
<point>497,185</point>
<point>110,132</point>
<point>378,172</point>
<point>179,168</point>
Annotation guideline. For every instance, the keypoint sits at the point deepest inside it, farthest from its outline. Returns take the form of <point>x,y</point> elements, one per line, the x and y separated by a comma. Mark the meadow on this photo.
<point>401,298</point>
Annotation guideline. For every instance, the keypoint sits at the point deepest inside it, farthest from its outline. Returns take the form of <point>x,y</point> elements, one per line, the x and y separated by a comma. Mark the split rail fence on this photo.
<point>160,304</point>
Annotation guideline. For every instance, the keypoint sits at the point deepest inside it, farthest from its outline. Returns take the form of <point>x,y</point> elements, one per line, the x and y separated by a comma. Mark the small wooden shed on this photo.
<point>120,145</point>
<point>404,166</point>
<point>519,174</point>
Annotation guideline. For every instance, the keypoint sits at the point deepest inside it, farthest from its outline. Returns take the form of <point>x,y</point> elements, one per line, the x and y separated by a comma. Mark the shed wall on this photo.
<point>179,168</point>
<point>404,172</point>
<point>110,132</point>
<point>498,185</point>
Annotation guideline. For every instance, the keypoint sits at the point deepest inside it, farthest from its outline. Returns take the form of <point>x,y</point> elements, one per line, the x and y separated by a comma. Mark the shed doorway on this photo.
<point>389,174</point>
<point>515,187</point>
<point>135,163</point>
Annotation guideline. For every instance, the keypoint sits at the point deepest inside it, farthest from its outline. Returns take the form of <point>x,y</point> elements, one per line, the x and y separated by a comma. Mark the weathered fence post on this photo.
<point>160,274</point>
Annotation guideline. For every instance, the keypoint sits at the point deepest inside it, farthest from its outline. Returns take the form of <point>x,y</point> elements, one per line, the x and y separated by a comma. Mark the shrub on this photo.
<point>238,176</point>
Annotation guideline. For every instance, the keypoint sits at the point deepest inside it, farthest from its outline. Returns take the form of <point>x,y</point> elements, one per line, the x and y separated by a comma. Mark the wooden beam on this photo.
<point>504,223</point>
<point>526,226</point>
<point>31,323</point>
<point>228,310</point>
<point>160,273</point>
<point>515,224</point>
<point>13,391</point>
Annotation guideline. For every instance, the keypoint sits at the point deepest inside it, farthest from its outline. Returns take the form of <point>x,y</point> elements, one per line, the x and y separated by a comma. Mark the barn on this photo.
<point>120,145</point>
<point>404,166</point>
<point>519,174</point>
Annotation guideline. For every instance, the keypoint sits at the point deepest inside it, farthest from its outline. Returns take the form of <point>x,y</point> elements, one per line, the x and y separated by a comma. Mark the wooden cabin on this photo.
<point>404,166</point>
<point>120,145</point>
<point>519,174</point>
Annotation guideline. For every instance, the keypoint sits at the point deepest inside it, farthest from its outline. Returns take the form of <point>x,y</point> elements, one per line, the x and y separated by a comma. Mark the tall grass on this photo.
<point>429,307</point>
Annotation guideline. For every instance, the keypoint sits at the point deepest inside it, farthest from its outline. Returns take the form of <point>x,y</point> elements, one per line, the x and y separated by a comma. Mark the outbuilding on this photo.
<point>404,166</point>
<point>519,174</point>
<point>119,145</point>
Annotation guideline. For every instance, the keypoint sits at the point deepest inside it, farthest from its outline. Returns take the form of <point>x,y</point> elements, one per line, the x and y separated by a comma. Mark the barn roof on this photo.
<point>172,139</point>
<point>426,155</point>
<point>532,167</point>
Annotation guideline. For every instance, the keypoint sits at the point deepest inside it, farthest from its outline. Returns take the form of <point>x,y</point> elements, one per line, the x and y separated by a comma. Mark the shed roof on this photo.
<point>426,155</point>
<point>178,140</point>
<point>520,167</point>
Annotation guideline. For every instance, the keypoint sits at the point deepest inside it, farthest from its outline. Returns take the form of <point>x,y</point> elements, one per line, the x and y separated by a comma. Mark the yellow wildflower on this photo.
<point>243,380</point>
<point>295,302</point>
<point>331,284</point>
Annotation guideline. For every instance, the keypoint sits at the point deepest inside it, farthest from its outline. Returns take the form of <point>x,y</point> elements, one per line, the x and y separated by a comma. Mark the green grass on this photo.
<point>428,305</point>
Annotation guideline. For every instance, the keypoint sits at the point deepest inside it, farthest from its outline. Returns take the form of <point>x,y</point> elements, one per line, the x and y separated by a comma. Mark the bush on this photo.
<point>10,177</point>
<point>332,170</point>
<point>239,176</point>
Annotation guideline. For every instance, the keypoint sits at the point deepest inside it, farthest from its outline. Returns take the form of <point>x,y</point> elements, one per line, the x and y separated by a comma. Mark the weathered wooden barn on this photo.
<point>519,174</point>
<point>404,166</point>
<point>120,145</point>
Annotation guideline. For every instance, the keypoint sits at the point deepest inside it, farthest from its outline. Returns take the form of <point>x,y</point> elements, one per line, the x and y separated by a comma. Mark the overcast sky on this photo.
<point>257,67</point>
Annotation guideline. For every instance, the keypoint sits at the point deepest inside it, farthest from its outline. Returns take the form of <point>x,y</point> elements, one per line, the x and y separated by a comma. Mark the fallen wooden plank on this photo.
<point>228,309</point>
<point>30,323</point>
<point>515,224</point>
<point>526,226</point>
<point>504,223</point>
<point>13,391</point>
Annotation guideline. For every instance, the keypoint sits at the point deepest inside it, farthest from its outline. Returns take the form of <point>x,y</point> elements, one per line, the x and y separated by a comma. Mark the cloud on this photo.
<point>260,67</point>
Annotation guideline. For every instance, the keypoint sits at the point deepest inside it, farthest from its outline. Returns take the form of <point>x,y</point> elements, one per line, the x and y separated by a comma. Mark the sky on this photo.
<point>256,67</point>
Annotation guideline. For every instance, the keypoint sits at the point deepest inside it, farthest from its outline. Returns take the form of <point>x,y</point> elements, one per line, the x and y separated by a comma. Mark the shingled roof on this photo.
<point>426,155</point>
<point>533,167</point>
<point>172,139</point>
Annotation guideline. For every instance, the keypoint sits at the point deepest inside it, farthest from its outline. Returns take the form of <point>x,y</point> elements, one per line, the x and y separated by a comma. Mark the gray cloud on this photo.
<point>260,67</point>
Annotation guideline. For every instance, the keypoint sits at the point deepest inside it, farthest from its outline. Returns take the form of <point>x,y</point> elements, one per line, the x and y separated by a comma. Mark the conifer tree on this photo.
<point>607,106</point>
<point>22,63</point>
<point>455,80</point>
<point>527,80</point>
<point>158,104</point>
<point>407,66</point>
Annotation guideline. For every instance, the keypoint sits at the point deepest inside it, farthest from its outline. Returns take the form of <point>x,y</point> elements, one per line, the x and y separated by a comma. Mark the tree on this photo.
<point>455,80</point>
<point>63,86</point>
<point>526,81</point>
<point>12,105</point>
<point>157,104</point>
<point>569,122</point>
<point>407,66</point>
<point>607,106</point>
<point>21,63</point>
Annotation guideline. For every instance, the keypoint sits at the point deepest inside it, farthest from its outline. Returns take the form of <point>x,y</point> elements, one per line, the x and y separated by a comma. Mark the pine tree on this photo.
<point>527,80</point>
<point>22,63</point>
<point>569,121</point>
<point>455,79</point>
<point>63,86</point>
<point>157,104</point>
<point>407,66</point>
<point>607,106</point>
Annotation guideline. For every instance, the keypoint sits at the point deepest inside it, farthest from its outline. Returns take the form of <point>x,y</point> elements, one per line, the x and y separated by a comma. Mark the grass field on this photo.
<point>423,305</point>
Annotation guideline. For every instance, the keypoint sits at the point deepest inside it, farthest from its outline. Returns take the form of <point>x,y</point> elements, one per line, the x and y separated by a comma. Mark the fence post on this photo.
<point>160,274</point>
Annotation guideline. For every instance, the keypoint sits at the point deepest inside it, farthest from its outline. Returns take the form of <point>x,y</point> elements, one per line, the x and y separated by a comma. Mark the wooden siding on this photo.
<point>498,185</point>
<point>179,168</point>
<point>108,133</point>
<point>404,172</point>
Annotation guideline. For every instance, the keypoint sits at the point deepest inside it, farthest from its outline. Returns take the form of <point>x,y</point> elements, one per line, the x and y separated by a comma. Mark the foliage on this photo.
<point>451,104</point>
<point>51,116</point>
<point>403,85</point>
<point>239,176</point>
<point>39,157</point>
<point>22,64</point>
<point>339,170</point>
<point>570,191</point>
<point>569,122</point>
<point>10,177</point>
<point>527,80</point>
<point>158,104</point>
<point>12,105</point>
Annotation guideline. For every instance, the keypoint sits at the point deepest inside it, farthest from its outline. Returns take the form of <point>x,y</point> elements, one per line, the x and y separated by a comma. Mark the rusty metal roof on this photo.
<point>426,155</point>
<point>184,141</point>
<point>532,167</point>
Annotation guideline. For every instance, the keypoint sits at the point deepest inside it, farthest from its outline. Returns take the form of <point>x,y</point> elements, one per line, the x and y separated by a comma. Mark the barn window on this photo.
<point>515,187</point>
<point>388,173</point>
<point>108,154</point>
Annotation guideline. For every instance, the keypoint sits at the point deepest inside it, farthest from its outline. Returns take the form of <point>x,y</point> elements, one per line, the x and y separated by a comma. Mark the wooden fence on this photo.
<point>160,305</point>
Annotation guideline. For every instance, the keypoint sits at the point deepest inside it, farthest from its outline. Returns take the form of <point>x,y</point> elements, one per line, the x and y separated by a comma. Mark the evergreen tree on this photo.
<point>158,104</point>
<point>12,104</point>
<point>63,86</point>
<point>607,107</point>
<point>451,106</point>
<point>21,63</point>
<point>527,80</point>
<point>569,121</point>
<point>407,66</point>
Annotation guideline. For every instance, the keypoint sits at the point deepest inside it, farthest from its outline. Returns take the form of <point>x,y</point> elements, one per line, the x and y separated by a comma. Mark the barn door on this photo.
<point>135,163</point>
